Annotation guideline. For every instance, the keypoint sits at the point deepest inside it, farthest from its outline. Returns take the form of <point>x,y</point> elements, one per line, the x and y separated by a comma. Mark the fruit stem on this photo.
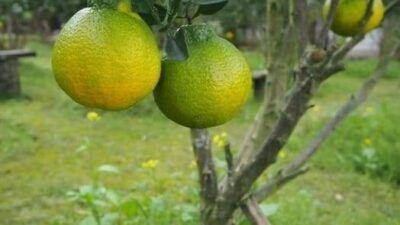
<point>125,6</point>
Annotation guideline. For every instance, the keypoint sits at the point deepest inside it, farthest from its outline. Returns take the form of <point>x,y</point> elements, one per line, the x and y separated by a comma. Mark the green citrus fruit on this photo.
<point>209,87</point>
<point>349,15</point>
<point>106,59</point>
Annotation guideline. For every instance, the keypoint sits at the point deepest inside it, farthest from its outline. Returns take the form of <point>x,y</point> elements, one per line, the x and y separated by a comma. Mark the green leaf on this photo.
<point>143,6</point>
<point>113,197</point>
<point>150,12</point>
<point>110,219</point>
<point>129,209</point>
<point>209,7</point>
<point>176,47</point>
<point>90,220</point>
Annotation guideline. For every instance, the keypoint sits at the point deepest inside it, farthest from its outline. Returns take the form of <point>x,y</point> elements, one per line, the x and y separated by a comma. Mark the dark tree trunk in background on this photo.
<point>9,78</point>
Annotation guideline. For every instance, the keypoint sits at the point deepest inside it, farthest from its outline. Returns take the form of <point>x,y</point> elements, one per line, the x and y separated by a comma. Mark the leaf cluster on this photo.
<point>164,12</point>
<point>167,16</point>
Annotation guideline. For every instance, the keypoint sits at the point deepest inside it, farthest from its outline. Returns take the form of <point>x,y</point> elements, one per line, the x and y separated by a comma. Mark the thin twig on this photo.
<point>342,52</point>
<point>277,181</point>
<point>324,40</point>
<point>302,18</point>
<point>391,5</point>
<point>229,158</point>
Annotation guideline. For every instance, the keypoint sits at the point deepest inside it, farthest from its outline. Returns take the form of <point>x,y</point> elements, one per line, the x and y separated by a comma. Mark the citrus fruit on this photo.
<point>209,87</point>
<point>350,13</point>
<point>106,59</point>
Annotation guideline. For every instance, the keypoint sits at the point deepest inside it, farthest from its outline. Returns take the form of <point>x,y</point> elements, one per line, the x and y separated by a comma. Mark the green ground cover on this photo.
<point>50,152</point>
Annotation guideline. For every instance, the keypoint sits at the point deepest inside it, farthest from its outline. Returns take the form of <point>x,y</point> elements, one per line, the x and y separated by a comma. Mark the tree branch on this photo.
<point>328,23</point>
<point>276,182</point>
<point>294,168</point>
<point>245,174</point>
<point>355,100</point>
<point>391,6</point>
<point>253,212</point>
<point>309,76</point>
<point>302,18</point>
<point>278,57</point>
<point>342,51</point>
<point>234,188</point>
<point>201,142</point>
<point>228,159</point>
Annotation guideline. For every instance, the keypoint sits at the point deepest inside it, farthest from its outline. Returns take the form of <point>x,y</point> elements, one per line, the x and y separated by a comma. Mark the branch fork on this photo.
<point>258,152</point>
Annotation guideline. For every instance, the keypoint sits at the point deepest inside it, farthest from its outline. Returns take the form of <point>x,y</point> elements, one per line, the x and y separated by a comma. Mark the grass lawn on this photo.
<point>48,148</point>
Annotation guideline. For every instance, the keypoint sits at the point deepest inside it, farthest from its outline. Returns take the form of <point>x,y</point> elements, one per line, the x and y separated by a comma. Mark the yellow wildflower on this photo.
<point>229,35</point>
<point>221,143</point>
<point>220,140</point>
<point>369,110</point>
<point>316,109</point>
<point>282,154</point>
<point>216,139</point>
<point>93,116</point>
<point>368,142</point>
<point>150,164</point>
<point>193,164</point>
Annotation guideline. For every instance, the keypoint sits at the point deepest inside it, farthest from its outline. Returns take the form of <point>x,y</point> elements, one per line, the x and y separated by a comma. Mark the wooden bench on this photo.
<point>259,79</point>
<point>9,78</point>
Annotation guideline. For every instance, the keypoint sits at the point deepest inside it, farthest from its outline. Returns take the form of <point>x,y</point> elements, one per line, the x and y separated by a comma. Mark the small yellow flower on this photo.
<point>193,164</point>
<point>216,139</point>
<point>369,110</point>
<point>368,142</point>
<point>150,164</point>
<point>220,139</point>
<point>93,116</point>
<point>221,144</point>
<point>316,109</point>
<point>229,35</point>
<point>282,154</point>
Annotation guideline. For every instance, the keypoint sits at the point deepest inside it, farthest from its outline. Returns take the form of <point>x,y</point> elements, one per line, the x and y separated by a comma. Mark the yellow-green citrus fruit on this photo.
<point>106,59</point>
<point>350,13</point>
<point>209,87</point>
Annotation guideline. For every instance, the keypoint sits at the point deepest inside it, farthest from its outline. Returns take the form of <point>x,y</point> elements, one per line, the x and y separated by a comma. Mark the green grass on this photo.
<point>48,148</point>
<point>362,68</point>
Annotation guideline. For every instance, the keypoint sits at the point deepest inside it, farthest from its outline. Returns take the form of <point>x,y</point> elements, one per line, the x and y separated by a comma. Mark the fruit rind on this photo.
<point>350,13</point>
<point>208,88</point>
<point>106,59</point>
